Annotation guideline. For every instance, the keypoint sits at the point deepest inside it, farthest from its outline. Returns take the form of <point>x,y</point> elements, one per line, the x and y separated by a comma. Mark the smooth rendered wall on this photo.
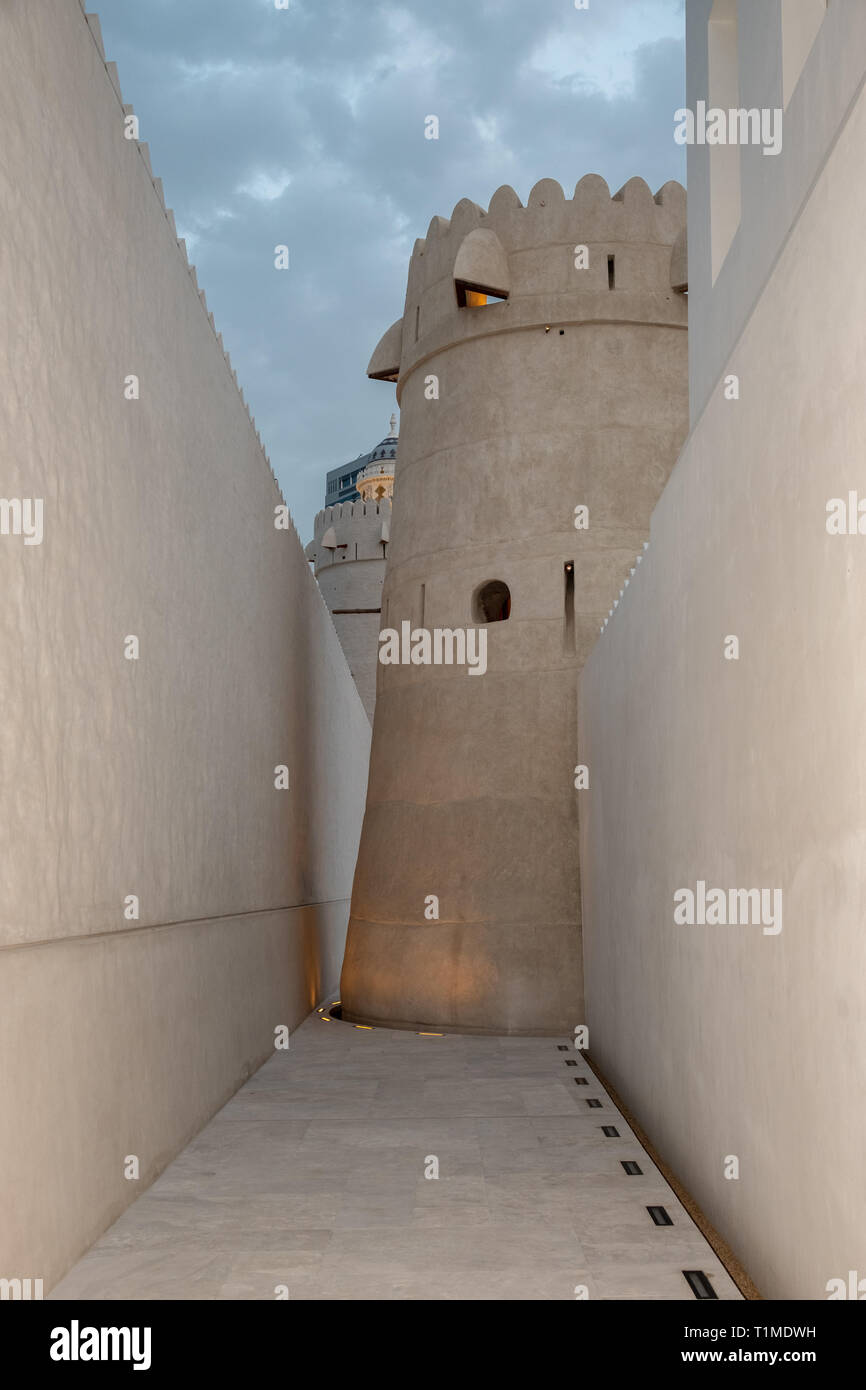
<point>724,1040</point>
<point>351,574</point>
<point>773,188</point>
<point>151,777</point>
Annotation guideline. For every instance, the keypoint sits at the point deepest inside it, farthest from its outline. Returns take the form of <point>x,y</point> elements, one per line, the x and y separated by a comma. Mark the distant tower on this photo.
<point>349,550</point>
<point>541,368</point>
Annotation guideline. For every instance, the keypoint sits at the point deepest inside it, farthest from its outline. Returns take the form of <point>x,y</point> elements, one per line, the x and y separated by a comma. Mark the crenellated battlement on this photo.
<point>634,213</point>
<point>350,513</point>
<point>554,258</point>
<point>95,28</point>
<point>350,531</point>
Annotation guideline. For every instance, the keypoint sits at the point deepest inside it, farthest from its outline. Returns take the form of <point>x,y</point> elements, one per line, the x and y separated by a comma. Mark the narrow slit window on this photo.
<point>569,606</point>
<point>611,272</point>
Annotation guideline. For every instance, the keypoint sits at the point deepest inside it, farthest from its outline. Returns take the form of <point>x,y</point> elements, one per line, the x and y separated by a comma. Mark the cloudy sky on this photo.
<point>305,127</point>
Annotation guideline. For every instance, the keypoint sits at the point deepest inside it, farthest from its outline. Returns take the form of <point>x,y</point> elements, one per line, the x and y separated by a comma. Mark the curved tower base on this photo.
<point>463,979</point>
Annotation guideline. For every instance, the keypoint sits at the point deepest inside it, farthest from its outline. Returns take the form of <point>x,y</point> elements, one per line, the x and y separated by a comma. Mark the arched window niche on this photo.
<point>491,602</point>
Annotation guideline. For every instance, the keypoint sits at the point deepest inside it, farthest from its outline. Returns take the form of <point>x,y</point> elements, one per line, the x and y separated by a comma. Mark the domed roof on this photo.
<point>387,449</point>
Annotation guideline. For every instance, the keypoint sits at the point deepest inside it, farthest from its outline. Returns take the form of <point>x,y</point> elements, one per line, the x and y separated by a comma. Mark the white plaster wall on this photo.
<point>773,188</point>
<point>722,1040</point>
<point>128,1043</point>
<point>152,777</point>
<point>359,637</point>
<point>352,578</point>
<point>352,584</point>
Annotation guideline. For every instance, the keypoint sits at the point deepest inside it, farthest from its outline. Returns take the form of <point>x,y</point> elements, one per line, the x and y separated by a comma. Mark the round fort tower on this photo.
<point>541,371</point>
<point>348,551</point>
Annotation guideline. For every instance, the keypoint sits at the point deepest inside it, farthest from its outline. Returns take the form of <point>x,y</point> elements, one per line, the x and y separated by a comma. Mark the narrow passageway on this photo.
<point>310,1184</point>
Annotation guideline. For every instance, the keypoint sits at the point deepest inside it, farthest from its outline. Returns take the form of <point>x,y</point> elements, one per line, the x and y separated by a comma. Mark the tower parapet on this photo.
<point>348,551</point>
<point>540,365</point>
<point>525,257</point>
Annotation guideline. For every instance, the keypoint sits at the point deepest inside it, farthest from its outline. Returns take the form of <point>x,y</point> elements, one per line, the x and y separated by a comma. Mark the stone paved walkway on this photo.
<point>312,1178</point>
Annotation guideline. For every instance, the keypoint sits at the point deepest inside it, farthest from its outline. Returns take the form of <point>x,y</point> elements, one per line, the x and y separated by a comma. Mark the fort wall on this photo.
<point>727,1040</point>
<point>152,778</point>
<point>349,552</point>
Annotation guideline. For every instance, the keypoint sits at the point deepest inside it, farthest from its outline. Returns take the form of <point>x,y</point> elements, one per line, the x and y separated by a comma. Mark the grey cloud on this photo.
<point>234,95</point>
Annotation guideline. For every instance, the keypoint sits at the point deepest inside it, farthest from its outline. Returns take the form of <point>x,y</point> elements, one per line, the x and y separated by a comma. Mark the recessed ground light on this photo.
<point>610,1131</point>
<point>431,1035</point>
<point>594,1104</point>
<point>699,1283</point>
<point>364,1027</point>
<point>571,1062</point>
<point>633,1169</point>
<point>562,1047</point>
<point>660,1216</point>
<point>324,1018</point>
<point>581,1081</point>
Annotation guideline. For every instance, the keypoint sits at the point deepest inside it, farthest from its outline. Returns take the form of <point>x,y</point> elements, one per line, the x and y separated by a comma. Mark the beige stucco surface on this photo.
<point>351,573</point>
<point>568,394</point>
<point>772,188</point>
<point>722,1040</point>
<point>151,777</point>
<point>126,1044</point>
